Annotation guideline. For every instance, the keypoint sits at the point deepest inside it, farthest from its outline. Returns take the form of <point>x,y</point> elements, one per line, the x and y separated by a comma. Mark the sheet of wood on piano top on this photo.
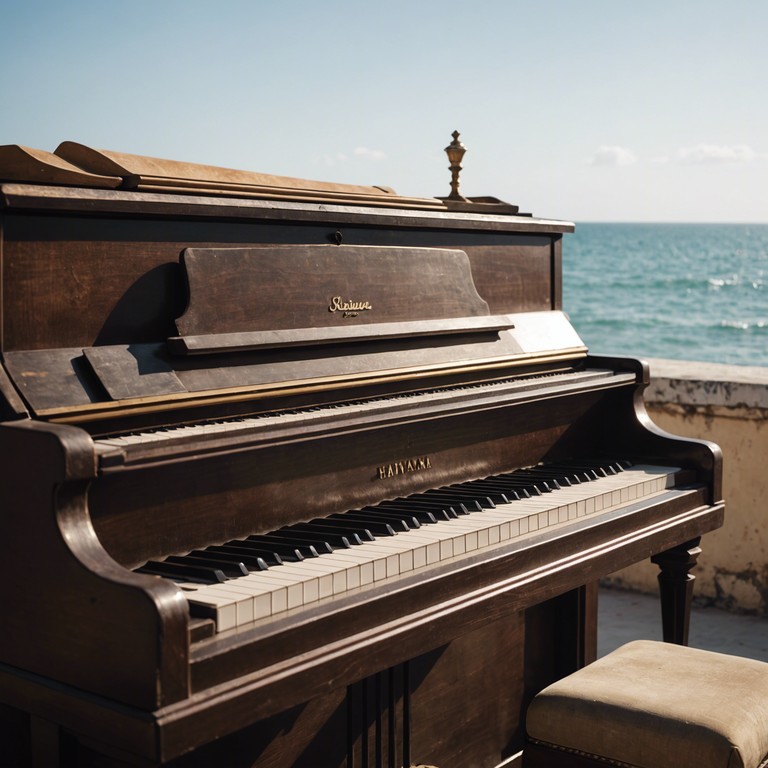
<point>205,371</point>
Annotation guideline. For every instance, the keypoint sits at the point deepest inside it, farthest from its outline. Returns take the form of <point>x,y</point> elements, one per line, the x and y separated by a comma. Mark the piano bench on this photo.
<point>653,705</point>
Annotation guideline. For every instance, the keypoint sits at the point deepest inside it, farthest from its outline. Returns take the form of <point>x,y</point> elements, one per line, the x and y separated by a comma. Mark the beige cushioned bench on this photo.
<point>653,705</point>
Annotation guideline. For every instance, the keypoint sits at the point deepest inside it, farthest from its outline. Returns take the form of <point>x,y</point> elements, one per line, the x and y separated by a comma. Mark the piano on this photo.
<point>305,474</point>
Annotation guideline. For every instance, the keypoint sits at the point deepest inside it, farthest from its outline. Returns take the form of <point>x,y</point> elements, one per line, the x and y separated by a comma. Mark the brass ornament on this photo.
<point>455,151</point>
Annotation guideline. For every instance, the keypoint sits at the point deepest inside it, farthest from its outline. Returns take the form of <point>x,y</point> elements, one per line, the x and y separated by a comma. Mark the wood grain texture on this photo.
<point>399,672</point>
<point>37,166</point>
<point>138,292</point>
<point>676,588</point>
<point>292,477</point>
<point>234,290</point>
<point>76,584</point>
<point>140,172</point>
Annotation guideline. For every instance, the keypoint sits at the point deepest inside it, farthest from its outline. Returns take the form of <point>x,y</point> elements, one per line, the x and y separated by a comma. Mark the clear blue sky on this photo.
<point>589,110</point>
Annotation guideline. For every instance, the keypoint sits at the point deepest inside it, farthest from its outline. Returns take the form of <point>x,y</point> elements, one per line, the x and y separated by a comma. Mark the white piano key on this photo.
<point>340,571</point>
<point>247,600</point>
<point>242,600</point>
<point>221,609</point>
<point>312,580</point>
<point>383,559</point>
<point>293,588</point>
<point>322,575</point>
<point>266,598</point>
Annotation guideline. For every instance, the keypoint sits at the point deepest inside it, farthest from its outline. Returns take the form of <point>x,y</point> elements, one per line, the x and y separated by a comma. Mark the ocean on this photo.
<point>679,291</point>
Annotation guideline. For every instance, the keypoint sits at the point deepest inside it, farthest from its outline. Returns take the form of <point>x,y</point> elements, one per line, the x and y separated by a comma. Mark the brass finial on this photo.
<point>455,151</point>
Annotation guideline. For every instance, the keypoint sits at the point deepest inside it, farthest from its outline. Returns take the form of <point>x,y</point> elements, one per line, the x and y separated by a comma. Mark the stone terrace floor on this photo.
<point>625,616</point>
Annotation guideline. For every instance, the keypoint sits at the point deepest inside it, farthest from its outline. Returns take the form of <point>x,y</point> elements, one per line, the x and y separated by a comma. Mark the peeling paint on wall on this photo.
<point>732,571</point>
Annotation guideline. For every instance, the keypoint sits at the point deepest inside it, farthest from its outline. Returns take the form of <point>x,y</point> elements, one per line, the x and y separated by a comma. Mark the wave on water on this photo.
<point>744,325</point>
<point>684,291</point>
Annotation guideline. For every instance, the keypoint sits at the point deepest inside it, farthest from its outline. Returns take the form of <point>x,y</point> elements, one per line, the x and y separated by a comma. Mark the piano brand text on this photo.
<point>349,308</point>
<point>403,467</point>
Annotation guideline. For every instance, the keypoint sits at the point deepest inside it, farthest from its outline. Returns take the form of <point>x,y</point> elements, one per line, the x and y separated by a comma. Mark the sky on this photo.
<point>596,110</point>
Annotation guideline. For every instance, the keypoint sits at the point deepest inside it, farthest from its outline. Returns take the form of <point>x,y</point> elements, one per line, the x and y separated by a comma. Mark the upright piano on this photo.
<point>304,474</point>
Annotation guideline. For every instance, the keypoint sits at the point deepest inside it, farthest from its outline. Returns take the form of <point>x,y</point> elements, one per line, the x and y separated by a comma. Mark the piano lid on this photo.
<point>74,164</point>
<point>37,166</point>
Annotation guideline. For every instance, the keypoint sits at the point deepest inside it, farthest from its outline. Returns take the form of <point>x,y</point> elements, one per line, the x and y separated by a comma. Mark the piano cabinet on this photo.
<point>435,668</point>
<point>163,393</point>
<point>461,703</point>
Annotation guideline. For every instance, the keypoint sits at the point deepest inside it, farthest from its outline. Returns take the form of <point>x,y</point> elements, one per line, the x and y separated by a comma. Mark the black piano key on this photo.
<point>194,573</point>
<point>510,488</point>
<point>373,526</point>
<point>498,491</point>
<point>229,568</point>
<point>543,482</point>
<point>586,473</point>
<point>579,475</point>
<point>613,466</point>
<point>534,485</point>
<point>562,477</point>
<point>420,515</point>
<point>618,464</point>
<point>508,480</point>
<point>346,526</point>
<point>304,542</point>
<point>286,549</point>
<point>573,473</point>
<point>590,473</point>
<point>465,502</point>
<point>470,493</point>
<point>250,563</point>
<point>439,513</point>
<point>602,466</point>
<point>273,539</point>
<point>607,467</point>
<point>248,551</point>
<point>479,491</point>
<point>599,468</point>
<point>397,521</point>
<point>326,533</point>
<point>454,509</point>
<point>589,469</point>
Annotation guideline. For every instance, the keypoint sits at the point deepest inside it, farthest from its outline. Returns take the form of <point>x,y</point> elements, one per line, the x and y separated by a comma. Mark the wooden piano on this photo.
<point>304,474</point>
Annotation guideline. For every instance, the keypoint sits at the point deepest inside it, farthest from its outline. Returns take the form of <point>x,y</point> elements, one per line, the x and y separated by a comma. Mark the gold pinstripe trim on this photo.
<point>144,405</point>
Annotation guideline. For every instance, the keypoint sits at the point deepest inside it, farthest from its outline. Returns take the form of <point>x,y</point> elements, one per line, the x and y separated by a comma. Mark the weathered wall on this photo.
<point>728,405</point>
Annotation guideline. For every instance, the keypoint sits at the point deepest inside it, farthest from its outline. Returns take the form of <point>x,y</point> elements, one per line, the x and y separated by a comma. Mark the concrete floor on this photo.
<point>625,616</point>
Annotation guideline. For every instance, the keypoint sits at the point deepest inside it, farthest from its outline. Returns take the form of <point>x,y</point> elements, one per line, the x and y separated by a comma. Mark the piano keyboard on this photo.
<point>261,576</point>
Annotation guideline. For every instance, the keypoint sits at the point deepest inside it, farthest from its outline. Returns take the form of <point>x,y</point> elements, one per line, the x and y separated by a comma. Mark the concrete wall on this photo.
<point>728,405</point>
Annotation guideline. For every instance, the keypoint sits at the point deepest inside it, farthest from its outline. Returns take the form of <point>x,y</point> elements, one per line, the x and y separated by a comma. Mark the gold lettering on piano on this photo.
<point>348,308</point>
<point>404,467</point>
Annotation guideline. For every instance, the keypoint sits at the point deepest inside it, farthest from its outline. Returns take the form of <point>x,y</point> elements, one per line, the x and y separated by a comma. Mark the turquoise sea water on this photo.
<point>681,291</point>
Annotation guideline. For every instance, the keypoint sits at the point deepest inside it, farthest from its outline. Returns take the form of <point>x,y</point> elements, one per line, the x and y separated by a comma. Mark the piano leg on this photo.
<point>584,630</point>
<point>676,589</point>
<point>570,622</point>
